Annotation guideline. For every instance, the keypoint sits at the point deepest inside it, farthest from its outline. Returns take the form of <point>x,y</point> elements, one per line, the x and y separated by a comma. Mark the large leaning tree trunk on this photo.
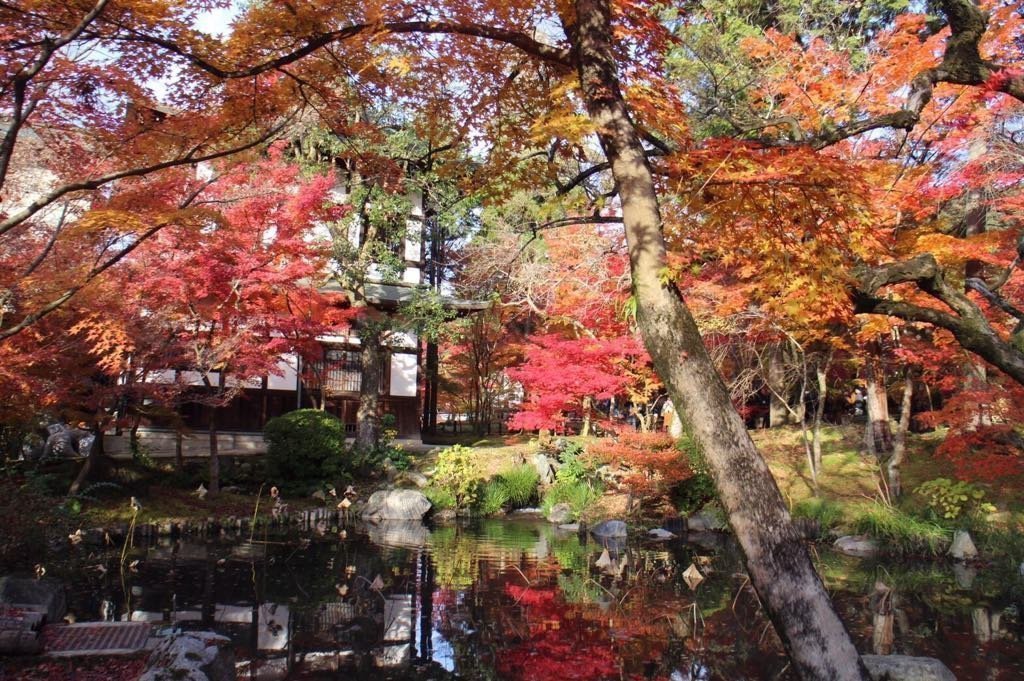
<point>779,566</point>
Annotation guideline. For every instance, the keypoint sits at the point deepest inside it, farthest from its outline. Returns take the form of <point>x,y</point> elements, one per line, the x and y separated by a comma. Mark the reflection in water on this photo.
<point>520,600</point>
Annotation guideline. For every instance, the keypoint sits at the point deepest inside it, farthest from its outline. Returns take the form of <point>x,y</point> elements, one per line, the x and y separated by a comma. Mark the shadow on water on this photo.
<point>518,599</point>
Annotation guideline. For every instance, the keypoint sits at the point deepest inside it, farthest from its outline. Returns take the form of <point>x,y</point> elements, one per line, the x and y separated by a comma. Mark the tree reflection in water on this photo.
<point>521,601</point>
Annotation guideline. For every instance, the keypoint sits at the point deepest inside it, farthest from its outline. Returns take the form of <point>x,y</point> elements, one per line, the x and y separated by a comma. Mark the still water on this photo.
<point>521,600</point>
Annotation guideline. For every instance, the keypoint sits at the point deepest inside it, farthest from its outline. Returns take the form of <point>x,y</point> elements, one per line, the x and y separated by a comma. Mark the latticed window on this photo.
<point>342,370</point>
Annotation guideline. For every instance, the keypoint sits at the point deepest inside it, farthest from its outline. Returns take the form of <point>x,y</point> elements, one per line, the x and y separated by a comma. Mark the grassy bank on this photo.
<point>847,498</point>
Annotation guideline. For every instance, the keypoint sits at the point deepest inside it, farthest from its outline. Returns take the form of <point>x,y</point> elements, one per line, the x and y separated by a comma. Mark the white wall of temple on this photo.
<point>404,368</point>
<point>286,378</point>
<point>196,378</point>
<point>403,375</point>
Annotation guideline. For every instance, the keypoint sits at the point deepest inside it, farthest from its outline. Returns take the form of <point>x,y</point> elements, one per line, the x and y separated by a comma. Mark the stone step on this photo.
<point>95,638</point>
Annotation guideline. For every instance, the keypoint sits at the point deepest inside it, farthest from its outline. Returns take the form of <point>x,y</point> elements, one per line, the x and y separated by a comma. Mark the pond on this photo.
<point>519,599</point>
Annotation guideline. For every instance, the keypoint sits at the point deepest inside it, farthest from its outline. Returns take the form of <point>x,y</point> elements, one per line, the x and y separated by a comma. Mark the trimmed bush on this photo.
<point>305,448</point>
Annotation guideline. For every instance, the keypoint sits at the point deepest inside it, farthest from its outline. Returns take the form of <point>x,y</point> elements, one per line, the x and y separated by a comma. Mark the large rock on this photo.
<point>416,478</point>
<point>545,468</point>
<point>858,546</point>
<point>609,529</point>
<point>38,595</point>
<point>396,504</point>
<point>560,514</point>
<point>963,547</point>
<point>906,668</point>
<point>705,522</point>
<point>192,656</point>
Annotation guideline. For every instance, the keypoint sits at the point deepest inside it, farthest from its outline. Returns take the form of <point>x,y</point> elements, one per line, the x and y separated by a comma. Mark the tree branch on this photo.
<point>189,158</point>
<point>967,323</point>
<point>20,113</point>
<point>555,55</point>
<point>961,65</point>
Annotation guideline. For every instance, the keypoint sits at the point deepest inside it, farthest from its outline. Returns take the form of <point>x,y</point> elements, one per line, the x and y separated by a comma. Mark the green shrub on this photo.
<point>457,472</point>
<point>441,498</point>
<point>520,485</point>
<point>901,533</point>
<point>950,499</point>
<point>695,492</point>
<point>573,466</point>
<point>399,458</point>
<point>828,513</point>
<point>493,497</point>
<point>579,495</point>
<point>306,448</point>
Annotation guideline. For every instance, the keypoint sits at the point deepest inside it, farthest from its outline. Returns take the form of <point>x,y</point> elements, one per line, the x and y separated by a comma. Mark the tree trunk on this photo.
<point>214,489</point>
<point>430,388</point>
<point>779,566</point>
<point>899,443</point>
<point>585,428</point>
<point>821,372</point>
<point>91,463</point>
<point>133,436</point>
<point>877,433</point>
<point>367,416</point>
<point>779,413</point>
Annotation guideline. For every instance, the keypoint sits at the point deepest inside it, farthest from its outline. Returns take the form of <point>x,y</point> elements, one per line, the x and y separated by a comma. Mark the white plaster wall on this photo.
<point>287,371</point>
<point>403,375</point>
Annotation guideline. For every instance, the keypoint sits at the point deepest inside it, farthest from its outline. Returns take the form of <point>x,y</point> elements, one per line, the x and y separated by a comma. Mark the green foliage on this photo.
<point>950,499</point>
<point>457,472</point>
<point>520,484</point>
<point>427,313</point>
<point>579,495</point>
<point>44,484</point>
<point>573,467</point>
<point>578,588</point>
<point>54,482</point>
<point>399,458</point>
<point>829,514</point>
<point>697,491</point>
<point>440,497</point>
<point>386,447</point>
<point>901,533</point>
<point>15,437</point>
<point>141,454</point>
<point>493,497</point>
<point>305,448</point>
<point>514,488</point>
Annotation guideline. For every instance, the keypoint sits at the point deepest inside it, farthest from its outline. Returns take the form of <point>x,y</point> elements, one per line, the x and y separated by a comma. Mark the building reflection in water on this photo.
<point>520,601</point>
